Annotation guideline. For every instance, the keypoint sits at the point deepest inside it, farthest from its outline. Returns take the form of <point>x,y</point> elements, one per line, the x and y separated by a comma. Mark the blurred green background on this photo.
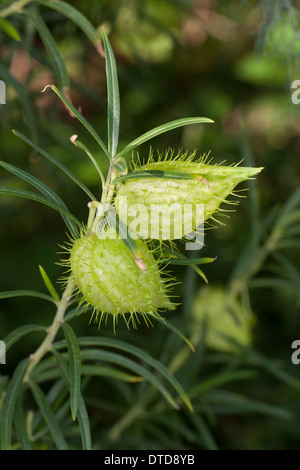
<point>231,61</point>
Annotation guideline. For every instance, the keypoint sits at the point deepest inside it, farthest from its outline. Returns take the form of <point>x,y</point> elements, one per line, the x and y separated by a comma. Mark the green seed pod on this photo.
<point>224,318</point>
<point>113,283</point>
<point>184,195</point>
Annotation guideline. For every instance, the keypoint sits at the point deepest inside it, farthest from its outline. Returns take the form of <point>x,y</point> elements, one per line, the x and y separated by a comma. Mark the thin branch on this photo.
<point>15,7</point>
<point>46,345</point>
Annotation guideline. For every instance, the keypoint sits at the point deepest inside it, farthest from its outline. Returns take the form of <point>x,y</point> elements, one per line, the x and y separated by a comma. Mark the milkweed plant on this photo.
<point>117,264</point>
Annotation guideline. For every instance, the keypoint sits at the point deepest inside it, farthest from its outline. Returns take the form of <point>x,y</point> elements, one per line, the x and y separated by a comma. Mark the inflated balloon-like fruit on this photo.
<point>225,318</point>
<point>113,282</point>
<point>168,207</point>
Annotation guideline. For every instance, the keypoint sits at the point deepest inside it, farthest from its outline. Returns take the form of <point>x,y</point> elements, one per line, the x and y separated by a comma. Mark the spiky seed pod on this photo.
<point>111,281</point>
<point>177,200</point>
<point>224,317</point>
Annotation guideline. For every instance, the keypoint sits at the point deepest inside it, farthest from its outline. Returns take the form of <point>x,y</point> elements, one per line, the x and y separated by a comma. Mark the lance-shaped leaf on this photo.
<point>9,29</point>
<point>161,130</point>
<point>107,356</point>
<point>55,162</point>
<point>79,116</point>
<point>139,353</point>
<point>49,284</point>
<point>169,175</point>
<point>20,332</point>
<point>9,403</point>
<point>43,188</point>
<point>21,293</point>
<point>21,428</point>
<point>74,367</point>
<point>58,63</point>
<point>113,98</point>
<point>174,256</point>
<point>76,17</point>
<point>8,191</point>
<point>49,417</point>
<point>83,416</point>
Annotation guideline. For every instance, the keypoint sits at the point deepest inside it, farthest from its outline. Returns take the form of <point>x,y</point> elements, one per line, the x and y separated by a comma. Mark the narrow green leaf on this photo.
<point>20,332</point>
<point>122,361</point>
<point>9,29</point>
<point>8,191</point>
<point>162,129</point>
<point>200,272</point>
<point>57,163</point>
<point>169,175</point>
<point>58,63</point>
<point>26,293</point>
<point>44,189</point>
<point>102,371</point>
<point>80,145</point>
<point>9,403</point>
<point>83,121</point>
<point>74,367</point>
<point>76,17</point>
<point>50,419</point>
<point>56,394</point>
<point>21,429</point>
<point>230,402</point>
<point>120,166</point>
<point>175,330</point>
<point>221,379</point>
<point>49,284</point>
<point>142,355</point>
<point>113,97</point>
<point>83,417</point>
<point>173,256</point>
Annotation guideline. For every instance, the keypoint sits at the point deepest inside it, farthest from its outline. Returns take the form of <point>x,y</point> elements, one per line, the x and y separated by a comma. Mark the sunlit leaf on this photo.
<point>161,130</point>
<point>113,98</point>
<point>9,29</point>
<point>49,284</point>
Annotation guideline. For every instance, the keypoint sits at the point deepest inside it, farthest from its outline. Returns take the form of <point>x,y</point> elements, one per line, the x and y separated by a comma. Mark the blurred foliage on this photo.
<point>232,62</point>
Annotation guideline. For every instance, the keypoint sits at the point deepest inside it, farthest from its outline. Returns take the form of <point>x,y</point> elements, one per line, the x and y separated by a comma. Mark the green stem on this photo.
<point>107,187</point>
<point>46,345</point>
<point>15,7</point>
